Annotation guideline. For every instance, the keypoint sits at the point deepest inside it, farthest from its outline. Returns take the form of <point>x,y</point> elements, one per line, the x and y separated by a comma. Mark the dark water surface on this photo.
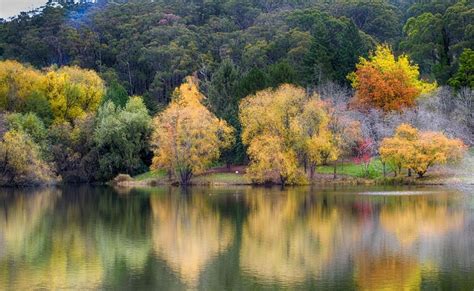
<point>237,238</point>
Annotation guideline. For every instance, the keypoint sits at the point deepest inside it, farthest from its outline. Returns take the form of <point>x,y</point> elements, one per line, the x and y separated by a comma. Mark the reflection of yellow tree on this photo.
<point>281,243</point>
<point>387,272</point>
<point>71,262</point>
<point>19,218</point>
<point>187,234</point>
<point>421,218</point>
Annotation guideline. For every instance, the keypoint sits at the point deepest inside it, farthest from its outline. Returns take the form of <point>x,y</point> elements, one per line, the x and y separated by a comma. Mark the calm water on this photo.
<point>238,238</point>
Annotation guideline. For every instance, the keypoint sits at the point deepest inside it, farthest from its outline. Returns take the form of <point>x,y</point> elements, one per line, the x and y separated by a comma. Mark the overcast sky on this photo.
<point>10,8</point>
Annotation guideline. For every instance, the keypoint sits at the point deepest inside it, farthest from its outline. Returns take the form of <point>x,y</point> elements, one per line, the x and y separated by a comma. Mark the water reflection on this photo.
<point>289,237</point>
<point>422,218</point>
<point>188,233</point>
<point>238,238</point>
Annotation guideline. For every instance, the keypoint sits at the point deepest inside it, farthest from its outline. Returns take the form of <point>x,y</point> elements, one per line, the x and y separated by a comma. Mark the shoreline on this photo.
<point>321,180</point>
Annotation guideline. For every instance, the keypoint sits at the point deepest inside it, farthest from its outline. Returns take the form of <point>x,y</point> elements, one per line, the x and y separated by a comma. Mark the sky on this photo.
<point>10,8</point>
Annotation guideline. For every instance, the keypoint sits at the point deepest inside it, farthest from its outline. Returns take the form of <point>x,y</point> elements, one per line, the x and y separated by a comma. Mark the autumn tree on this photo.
<point>21,162</point>
<point>419,150</point>
<point>73,92</point>
<point>386,82</point>
<point>397,150</point>
<point>187,137</point>
<point>17,84</point>
<point>285,129</point>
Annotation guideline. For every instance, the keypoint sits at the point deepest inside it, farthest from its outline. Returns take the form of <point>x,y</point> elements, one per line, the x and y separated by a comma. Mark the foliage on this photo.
<point>72,149</point>
<point>28,123</point>
<point>419,151</point>
<point>187,137</point>
<point>121,138</point>
<point>464,77</point>
<point>284,129</point>
<point>21,162</point>
<point>387,83</point>
<point>437,33</point>
<point>17,84</point>
<point>73,92</point>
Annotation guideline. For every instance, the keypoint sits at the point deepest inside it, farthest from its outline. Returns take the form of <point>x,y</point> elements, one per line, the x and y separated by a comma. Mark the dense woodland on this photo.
<point>91,90</point>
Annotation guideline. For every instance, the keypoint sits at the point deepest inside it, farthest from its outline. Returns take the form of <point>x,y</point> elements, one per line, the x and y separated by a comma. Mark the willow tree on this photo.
<point>285,130</point>
<point>187,137</point>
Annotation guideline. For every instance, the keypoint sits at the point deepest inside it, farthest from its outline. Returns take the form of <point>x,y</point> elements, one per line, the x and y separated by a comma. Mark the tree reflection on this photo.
<point>424,217</point>
<point>290,237</point>
<point>41,253</point>
<point>188,233</point>
<point>387,272</point>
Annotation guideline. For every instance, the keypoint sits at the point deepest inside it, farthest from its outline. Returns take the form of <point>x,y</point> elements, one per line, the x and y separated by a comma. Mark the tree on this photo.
<point>21,162</point>
<point>418,151</point>
<point>17,84</point>
<point>73,150</point>
<point>73,92</point>
<point>288,129</point>
<point>425,44</point>
<point>223,100</point>
<point>387,83</point>
<point>121,138</point>
<point>187,137</point>
<point>30,124</point>
<point>464,77</point>
<point>397,150</point>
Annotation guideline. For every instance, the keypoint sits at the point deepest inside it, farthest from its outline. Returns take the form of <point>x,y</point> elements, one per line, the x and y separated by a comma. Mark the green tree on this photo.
<point>121,137</point>
<point>464,77</point>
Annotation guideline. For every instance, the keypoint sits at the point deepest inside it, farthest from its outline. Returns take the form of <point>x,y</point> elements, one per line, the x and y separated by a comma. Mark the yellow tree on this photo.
<point>386,82</point>
<point>435,148</point>
<point>418,151</point>
<point>73,92</point>
<point>21,162</point>
<point>284,128</point>
<point>187,137</point>
<point>17,83</point>
<point>397,150</point>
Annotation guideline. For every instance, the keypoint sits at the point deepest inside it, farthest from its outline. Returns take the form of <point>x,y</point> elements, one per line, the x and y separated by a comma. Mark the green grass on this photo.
<point>224,178</point>
<point>355,170</point>
<point>151,175</point>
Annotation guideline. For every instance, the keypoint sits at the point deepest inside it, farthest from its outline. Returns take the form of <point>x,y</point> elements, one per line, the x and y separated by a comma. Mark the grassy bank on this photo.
<point>348,173</point>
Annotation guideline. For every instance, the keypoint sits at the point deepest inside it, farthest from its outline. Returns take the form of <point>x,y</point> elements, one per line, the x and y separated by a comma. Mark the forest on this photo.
<point>90,90</point>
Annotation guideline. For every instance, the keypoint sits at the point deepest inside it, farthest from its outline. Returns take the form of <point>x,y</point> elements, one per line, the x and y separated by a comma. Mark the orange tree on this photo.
<point>386,82</point>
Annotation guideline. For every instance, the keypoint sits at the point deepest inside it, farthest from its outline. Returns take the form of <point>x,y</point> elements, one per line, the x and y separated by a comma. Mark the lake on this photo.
<point>237,238</point>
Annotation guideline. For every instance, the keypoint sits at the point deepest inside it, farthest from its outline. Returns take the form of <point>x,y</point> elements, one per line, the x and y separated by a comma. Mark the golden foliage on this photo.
<point>21,162</point>
<point>17,82</point>
<point>283,128</point>
<point>71,91</point>
<point>419,151</point>
<point>386,82</point>
<point>187,137</point>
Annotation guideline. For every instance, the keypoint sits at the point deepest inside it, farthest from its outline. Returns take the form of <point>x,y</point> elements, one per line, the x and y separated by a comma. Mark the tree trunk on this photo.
<point>409,172</point>
<point>335,170</point>
<point>384,170</point>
